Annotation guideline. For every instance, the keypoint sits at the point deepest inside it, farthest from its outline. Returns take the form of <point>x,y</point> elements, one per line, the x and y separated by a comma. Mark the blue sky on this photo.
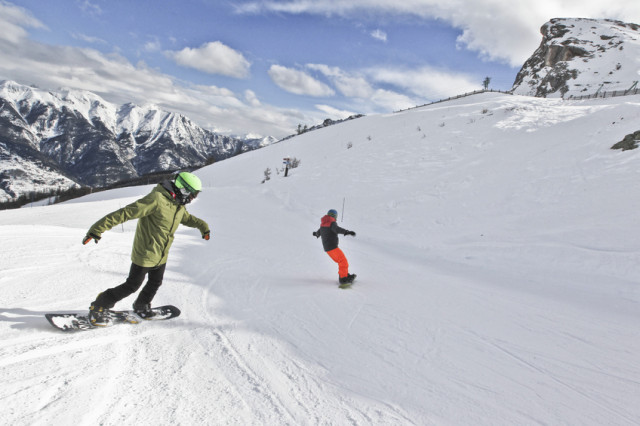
<point>263,67</point>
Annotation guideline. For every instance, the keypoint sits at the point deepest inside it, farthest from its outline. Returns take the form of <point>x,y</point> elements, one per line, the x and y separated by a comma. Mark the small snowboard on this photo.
<point>76,322</point>
<point>349,284</point>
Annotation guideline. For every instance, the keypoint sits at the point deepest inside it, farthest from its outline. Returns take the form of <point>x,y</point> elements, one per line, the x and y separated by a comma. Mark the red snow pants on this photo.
<point>338,256</point>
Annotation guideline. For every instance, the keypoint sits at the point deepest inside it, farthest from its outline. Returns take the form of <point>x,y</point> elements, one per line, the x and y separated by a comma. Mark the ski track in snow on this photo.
<point>497,261</point>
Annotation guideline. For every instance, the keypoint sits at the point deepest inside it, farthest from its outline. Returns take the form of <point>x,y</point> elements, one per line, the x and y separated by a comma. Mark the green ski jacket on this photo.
<point>159,217</point>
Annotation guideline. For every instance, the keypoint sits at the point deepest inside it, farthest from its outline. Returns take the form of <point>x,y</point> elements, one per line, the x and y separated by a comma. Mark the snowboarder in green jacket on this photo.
<point>159,214</point>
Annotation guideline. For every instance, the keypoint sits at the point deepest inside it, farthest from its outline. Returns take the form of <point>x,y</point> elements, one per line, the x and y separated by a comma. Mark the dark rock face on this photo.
<point>630,141</point>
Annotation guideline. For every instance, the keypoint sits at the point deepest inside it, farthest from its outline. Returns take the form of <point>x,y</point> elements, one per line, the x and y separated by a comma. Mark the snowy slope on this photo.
<point>498,266</point>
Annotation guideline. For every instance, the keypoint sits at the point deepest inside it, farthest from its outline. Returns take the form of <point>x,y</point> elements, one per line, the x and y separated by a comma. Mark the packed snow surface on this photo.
<point>498,266</point>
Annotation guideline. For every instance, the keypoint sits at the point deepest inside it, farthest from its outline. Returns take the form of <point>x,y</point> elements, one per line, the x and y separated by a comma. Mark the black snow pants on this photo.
<point>108,298</point>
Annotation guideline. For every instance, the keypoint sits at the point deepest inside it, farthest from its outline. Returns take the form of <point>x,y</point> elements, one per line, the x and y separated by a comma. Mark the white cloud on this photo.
<point>298,82</point>
<point>375,85</point>
<point>251,98</point>
<point>335,113</point>
<point>362,94</point>
<point>379,35</point>
<point>501,30</point>
<point>213,58</point>
<point>220,97</point>
<point>390,100</point>
<point>13,19</point>
<point>152,46</point>
<point>352,86</point>
<point>88,39</point>
<point>90,8</point>
<point>426,82</point>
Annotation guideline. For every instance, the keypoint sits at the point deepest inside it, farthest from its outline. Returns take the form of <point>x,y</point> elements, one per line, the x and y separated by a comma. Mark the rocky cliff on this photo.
<point>582,56</point>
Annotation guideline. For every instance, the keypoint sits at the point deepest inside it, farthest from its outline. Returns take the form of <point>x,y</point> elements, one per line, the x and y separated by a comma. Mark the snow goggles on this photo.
<point>187,196</point>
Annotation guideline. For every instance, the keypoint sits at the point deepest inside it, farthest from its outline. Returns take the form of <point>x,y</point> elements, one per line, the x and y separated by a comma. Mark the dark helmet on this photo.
<point>333,213</point>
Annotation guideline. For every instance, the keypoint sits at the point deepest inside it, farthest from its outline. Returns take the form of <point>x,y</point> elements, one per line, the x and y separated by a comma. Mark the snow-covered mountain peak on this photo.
<point>259,141</point>
<point>18,94</point>
<point>90,105</point>
<point>579,56</point>
<point>79,97</point>
<point>12,89</point>
<point>141,118</point>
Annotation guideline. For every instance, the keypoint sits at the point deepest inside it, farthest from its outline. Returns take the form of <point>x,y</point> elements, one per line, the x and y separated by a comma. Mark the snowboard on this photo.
<point>349,284</point>
<point>77,322</point>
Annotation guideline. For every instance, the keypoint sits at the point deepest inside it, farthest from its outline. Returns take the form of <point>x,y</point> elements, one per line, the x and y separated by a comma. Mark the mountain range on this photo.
<point>57,140</point>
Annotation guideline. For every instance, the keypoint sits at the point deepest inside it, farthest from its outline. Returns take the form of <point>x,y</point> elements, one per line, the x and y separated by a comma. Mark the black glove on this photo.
<point>350,233</point>
<point>206,235</point>
<point>315,234</point>
<point>89,237</point>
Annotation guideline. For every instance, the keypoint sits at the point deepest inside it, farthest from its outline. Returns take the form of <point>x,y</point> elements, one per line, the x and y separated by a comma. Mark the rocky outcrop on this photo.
<point>581,56</point>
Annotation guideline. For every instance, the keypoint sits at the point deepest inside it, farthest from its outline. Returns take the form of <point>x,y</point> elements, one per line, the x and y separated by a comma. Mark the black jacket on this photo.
<point>329,231</point>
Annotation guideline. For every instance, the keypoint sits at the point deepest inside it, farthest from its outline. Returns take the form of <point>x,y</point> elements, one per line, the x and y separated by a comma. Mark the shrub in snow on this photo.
<point>628,142</point>
<point>267,175</point>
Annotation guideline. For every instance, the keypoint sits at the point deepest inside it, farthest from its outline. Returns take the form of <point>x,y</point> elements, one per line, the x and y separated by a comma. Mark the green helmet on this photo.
<point>188,186</point>
<point>188,181</point>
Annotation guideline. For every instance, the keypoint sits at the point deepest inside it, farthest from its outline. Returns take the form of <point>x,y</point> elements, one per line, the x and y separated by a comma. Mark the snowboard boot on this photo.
<point>143,310</point>
<point>99,316</point>
<point>347,280</point>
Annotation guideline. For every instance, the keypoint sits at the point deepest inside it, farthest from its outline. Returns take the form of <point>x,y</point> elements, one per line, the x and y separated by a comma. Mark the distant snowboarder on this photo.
<point>159,213</point>
<point>329,231</point>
